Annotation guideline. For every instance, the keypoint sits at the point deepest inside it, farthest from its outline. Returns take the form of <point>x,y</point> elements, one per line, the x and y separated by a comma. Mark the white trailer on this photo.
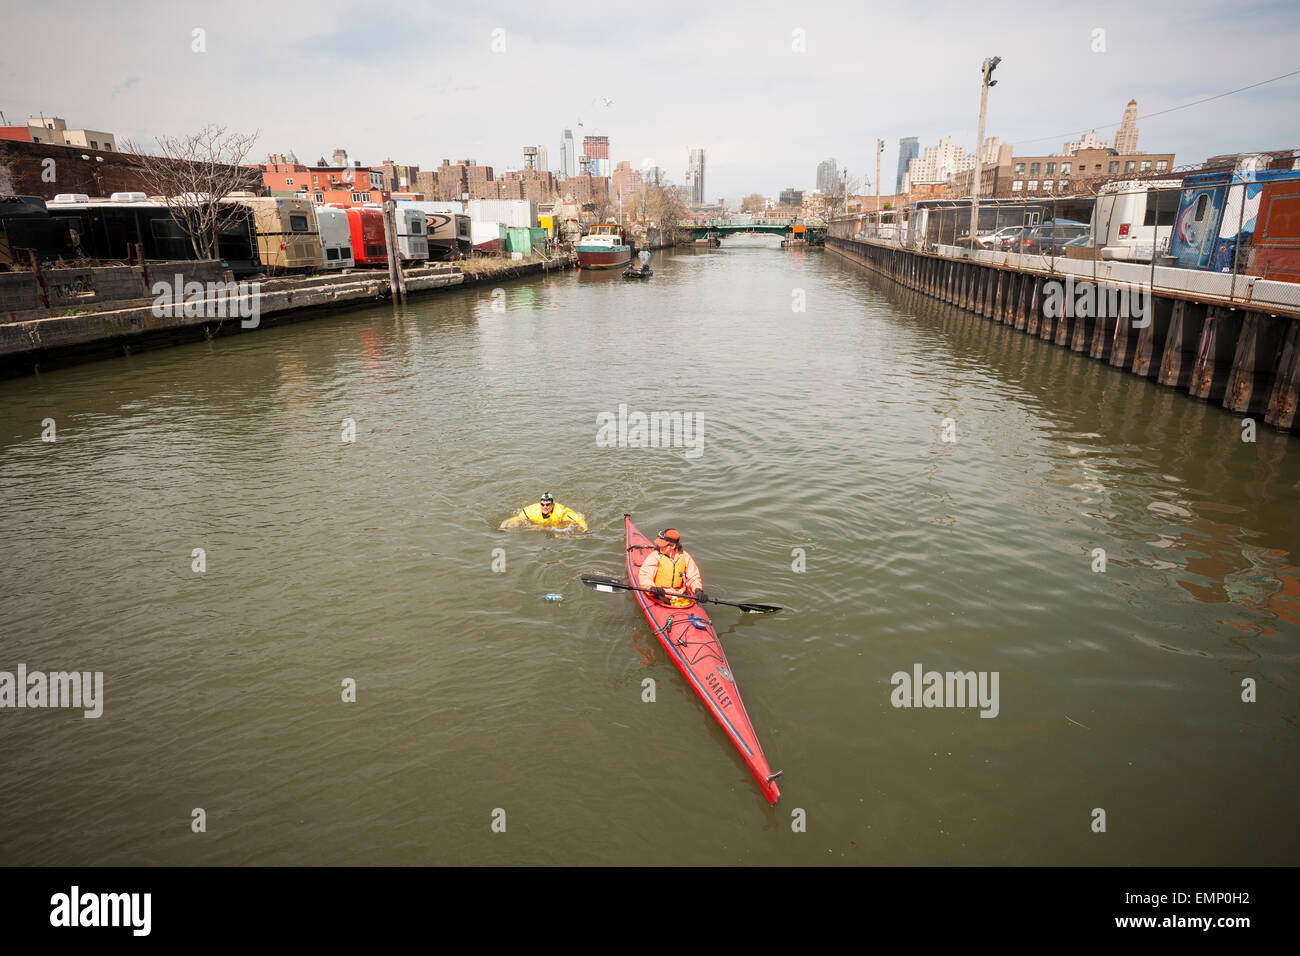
<point>335,237</point>
<point>412,238</point>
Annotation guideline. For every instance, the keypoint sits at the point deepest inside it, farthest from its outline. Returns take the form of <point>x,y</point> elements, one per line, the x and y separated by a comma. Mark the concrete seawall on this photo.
<point>39,340</point>
<point>1247,361</point>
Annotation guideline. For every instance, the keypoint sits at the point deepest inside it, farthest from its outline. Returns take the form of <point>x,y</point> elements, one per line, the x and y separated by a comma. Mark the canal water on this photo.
<point>820,474</point>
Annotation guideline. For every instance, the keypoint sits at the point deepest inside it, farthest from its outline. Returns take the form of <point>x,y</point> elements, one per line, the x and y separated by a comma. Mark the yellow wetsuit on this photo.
<point>560,515</point>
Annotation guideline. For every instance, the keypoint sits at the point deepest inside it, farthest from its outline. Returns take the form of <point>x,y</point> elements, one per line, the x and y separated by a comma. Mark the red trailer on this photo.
<point>367,228</point>
<point>1275,250</point>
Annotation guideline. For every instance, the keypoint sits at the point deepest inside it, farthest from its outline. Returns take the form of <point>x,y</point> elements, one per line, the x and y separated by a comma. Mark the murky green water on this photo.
<point>373,561</point>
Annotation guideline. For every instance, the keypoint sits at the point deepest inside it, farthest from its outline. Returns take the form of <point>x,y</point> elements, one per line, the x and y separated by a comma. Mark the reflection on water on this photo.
<point>373,559</point>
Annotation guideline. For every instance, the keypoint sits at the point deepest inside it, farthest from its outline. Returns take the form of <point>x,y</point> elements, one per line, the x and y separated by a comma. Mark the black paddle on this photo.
<point>601,582</point>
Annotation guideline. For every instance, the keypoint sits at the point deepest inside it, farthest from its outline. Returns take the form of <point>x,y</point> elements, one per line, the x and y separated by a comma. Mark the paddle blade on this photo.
<point>760,608</point>
<point>602,582</point>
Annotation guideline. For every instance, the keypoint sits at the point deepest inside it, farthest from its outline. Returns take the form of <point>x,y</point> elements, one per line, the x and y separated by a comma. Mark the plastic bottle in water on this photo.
<point>552,596</point>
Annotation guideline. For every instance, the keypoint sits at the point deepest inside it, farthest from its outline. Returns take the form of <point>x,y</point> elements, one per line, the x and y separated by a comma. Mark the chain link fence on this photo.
<point>1225,234</point>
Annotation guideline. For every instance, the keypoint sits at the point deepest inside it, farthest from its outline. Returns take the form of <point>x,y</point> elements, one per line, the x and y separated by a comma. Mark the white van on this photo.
<point>335,237</point>
<point>1134,219</point>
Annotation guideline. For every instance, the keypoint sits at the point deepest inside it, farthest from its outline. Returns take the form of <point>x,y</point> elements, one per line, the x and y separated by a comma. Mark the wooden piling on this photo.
<point>1214,354</point>
<point>1103,337</point>
<point>1285,397</point>
<point>1254,366</point>
<point>1150,350</point>
<point>1181,344</point>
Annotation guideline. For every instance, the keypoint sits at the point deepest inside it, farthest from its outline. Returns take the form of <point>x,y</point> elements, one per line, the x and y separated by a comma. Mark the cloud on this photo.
<point>422,85</point>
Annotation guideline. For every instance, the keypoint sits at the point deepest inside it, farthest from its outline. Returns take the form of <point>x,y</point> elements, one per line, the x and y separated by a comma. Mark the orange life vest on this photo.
<point>672,574</point>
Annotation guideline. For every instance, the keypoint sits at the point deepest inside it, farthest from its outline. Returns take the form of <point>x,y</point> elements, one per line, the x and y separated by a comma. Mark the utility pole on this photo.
<point>880,149</point>
<point>986,73</point>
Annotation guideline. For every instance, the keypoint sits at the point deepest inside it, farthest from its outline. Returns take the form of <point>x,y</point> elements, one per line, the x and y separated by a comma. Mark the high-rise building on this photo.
<point>1090,141</point>
<point>938,164</point>
<point>543,160</point>
<point>340,157</point>
<point>568,155</point>
<point>827,175</point>
<point>1126,139</point>
<point>908,149</point>
<point>655,176</point>
<point>596,149</point>
<point>626,180</point>
<point>791,197</point>
<point>695,175</point>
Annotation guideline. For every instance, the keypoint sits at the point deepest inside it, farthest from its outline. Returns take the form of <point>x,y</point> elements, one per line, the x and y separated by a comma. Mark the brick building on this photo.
<point>626,181</point>
<point>24,171</point>
<point>350,185</point>
<point>454,180</point>
<point>536,185</point>
<point>53,130</point>
<point>398,178</point>
<point>588,189</point>
<point>1080,173</point>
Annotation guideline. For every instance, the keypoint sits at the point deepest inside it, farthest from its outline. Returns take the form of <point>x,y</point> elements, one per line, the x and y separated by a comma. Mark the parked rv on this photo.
<point>286,231</point>
<point>112,229</point>
<point>366,225</point>
<point>445,225</point>
<point>27,228</point>
<point>1217,211</point>
<point>1275,248</point>
<point>335,237</point>
<point>1133,219</point>
<point>412,239</point>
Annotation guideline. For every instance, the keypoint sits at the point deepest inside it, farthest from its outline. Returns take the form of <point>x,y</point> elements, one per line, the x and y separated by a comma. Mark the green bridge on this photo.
<point>718,228</point>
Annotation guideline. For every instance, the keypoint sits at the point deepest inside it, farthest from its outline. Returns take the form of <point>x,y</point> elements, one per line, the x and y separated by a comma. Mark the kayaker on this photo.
<point>546,512</point>
<point>670,573</point>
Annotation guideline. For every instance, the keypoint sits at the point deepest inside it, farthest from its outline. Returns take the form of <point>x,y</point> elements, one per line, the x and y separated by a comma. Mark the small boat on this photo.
<point>603,247</point>
<point>691,643</point>
<point>641,270</point>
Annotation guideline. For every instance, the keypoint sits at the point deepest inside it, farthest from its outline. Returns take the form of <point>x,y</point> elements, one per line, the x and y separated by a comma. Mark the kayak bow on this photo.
<point>688,638</point>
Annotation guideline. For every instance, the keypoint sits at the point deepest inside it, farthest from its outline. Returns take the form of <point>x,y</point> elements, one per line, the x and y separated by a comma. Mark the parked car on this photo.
<point>991,241</point>
<point>1008,238</point>
<point>1049,239</point>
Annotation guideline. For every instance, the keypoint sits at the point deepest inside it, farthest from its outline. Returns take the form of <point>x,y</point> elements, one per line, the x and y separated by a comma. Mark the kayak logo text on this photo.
<point>951,689</point>
<point>654,430</point>
<point>102,909</point>
<point>1085,300</point>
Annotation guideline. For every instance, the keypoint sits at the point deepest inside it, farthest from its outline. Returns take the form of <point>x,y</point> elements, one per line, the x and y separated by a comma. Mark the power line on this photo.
<point>1172,109</point>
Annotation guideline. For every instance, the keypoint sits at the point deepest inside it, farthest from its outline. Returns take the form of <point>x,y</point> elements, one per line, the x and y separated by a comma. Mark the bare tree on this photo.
<point>193,173</point>
<point>664,208</point>
<point>837,197</point>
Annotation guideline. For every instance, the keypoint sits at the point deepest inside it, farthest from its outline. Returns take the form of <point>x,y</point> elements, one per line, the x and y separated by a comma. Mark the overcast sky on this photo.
<point>421,82</point>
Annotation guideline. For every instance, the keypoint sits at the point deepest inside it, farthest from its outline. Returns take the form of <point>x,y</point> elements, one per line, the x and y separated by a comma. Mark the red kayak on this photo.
<point>688,638</point>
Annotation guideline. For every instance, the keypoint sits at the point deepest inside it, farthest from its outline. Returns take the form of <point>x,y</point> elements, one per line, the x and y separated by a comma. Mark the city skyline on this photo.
<point>161,85</point>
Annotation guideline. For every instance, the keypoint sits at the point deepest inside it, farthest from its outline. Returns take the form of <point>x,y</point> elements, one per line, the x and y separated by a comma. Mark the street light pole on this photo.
<point>880,149</point>
<point>986,72</point>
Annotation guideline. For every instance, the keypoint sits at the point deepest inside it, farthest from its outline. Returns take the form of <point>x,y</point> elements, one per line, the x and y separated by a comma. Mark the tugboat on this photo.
<point>603,247</point>
<point>642,269</point>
